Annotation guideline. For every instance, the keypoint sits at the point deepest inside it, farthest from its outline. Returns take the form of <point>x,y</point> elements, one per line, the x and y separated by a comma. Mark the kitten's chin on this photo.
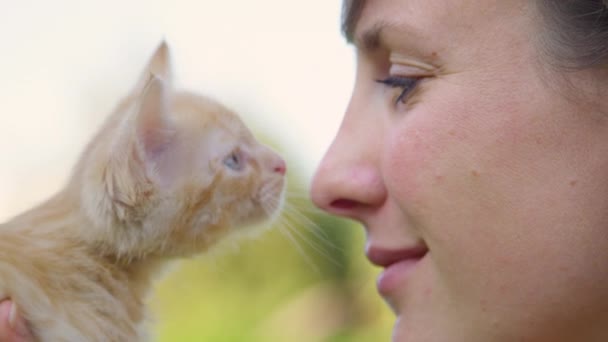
<point>261,217</point>
<point>265,214</point>
<point>255,227</point>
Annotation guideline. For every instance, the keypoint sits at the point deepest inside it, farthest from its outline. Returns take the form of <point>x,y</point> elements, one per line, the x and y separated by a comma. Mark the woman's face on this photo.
<point>484,188</point>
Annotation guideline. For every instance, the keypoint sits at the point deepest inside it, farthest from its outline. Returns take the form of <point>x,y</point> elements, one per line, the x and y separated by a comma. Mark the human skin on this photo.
<point>15,329</point>
<point>490,178</point>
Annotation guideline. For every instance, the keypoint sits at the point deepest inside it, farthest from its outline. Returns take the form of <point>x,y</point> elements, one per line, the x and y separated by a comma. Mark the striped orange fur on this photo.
<point>169,174</point>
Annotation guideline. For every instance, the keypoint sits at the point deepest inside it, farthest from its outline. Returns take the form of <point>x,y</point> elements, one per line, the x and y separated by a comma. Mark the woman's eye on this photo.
<point>407,84</point>
<point>234,161</point>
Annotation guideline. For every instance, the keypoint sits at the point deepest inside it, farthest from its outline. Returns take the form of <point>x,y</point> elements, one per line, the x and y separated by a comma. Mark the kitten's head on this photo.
<point>172,172</point>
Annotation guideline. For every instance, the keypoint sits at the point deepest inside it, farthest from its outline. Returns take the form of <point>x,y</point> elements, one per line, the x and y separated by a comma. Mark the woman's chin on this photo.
<point>404,331</point>
<point>401,333</point>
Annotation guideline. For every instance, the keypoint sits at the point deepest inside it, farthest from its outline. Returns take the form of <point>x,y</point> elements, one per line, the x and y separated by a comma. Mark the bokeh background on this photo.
<point>283,66</point>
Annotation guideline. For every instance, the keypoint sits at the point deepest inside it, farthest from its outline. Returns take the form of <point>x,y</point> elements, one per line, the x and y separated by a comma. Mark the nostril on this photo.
<point>343,204</point>
<point>280,167</point>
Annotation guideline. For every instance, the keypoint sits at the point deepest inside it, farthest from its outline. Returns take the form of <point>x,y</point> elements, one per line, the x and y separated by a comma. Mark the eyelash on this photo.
<point>407,84</point>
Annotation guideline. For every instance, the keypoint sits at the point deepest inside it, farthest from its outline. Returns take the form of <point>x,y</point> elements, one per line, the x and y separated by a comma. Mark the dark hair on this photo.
<point>351,10</point>
<point>575,31</point>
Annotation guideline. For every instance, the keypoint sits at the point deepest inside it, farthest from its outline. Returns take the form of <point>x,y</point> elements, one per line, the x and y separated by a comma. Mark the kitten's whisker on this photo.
<point>294,242</point>
<point>313,227</point>
<point>296,210</point>
<point>312,244</point>
<point>297,187</point>
<point>305,204</point>
<point>297,194</point>
<point>311,210</point>
<point>268,206</point>
<point>323,247</point>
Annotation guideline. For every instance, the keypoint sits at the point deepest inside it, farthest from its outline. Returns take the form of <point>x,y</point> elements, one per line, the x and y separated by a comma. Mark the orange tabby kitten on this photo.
<point>168,175</point>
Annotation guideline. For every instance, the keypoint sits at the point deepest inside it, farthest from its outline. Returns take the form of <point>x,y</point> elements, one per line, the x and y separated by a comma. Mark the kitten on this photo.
<point>168,175</point>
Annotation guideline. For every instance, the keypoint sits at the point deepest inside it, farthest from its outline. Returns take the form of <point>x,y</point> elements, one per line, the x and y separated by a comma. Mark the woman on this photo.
<point>474,151</point>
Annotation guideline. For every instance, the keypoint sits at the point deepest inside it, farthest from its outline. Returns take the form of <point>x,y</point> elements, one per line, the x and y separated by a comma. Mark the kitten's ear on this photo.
<point>154,129</point>
<point>159,64</point>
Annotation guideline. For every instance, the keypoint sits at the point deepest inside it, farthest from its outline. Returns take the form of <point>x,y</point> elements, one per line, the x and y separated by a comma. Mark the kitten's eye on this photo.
<point>234,161</point>
<point>406,83</point>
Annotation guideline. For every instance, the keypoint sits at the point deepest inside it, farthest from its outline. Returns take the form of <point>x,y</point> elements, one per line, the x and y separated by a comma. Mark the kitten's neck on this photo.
<point>57,217</point>
<point>142,273</point>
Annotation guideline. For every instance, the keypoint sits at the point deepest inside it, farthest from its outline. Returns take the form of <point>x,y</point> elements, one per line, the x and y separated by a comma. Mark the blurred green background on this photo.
<point>305,279</point>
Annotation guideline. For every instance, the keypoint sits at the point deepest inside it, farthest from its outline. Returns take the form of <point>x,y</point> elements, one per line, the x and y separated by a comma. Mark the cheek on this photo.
<point>497,186</point>
<point>423,154</point>
<point>457,156</point>
<point>408,160</point>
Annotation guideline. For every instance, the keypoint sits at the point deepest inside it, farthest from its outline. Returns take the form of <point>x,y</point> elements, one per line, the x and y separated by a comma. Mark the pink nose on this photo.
<point>279,166</point>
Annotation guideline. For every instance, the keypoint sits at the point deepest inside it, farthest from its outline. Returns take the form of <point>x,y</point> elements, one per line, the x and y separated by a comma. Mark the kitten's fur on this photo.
<point>168,175</point>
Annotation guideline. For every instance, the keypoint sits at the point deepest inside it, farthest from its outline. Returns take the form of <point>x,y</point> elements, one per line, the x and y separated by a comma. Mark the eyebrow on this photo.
<point>371,39</point>
<point>377,35</point>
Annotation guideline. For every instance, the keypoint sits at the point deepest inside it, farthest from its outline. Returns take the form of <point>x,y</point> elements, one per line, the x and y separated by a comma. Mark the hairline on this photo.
<point>564,45</point>
<point>351,11</point>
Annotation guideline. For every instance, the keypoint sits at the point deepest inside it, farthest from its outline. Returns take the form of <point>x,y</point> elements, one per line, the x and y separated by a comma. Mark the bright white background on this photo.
<point>281,64</point>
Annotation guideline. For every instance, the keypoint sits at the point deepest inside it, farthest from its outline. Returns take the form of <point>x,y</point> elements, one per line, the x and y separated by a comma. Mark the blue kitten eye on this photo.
<point>234,161</point>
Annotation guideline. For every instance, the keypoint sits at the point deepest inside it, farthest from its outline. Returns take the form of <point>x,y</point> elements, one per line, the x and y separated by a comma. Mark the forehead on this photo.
<point>428,20</point>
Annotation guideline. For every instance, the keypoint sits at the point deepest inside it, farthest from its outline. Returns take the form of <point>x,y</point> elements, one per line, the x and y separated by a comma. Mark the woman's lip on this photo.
<point>397,263</point>
<point>395,276</point>
<point>386,257</point>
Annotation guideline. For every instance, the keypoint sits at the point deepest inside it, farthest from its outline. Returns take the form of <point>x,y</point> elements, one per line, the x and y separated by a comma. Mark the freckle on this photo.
<point>434,54</point>
<point>573,182</point>
<point>475,173</point>
<point>483,304</point>
<point>452,132</point>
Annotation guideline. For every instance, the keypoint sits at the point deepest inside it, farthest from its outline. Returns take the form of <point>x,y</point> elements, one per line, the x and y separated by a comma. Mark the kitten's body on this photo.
<point>168,175</point>
<point>64,287</point>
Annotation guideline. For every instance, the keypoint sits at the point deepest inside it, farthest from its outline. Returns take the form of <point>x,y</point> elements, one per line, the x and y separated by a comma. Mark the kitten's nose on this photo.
<point>279,166</point>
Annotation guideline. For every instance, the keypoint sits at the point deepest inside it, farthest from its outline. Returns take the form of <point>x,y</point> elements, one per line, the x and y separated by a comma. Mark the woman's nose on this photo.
<point>348,181</point>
